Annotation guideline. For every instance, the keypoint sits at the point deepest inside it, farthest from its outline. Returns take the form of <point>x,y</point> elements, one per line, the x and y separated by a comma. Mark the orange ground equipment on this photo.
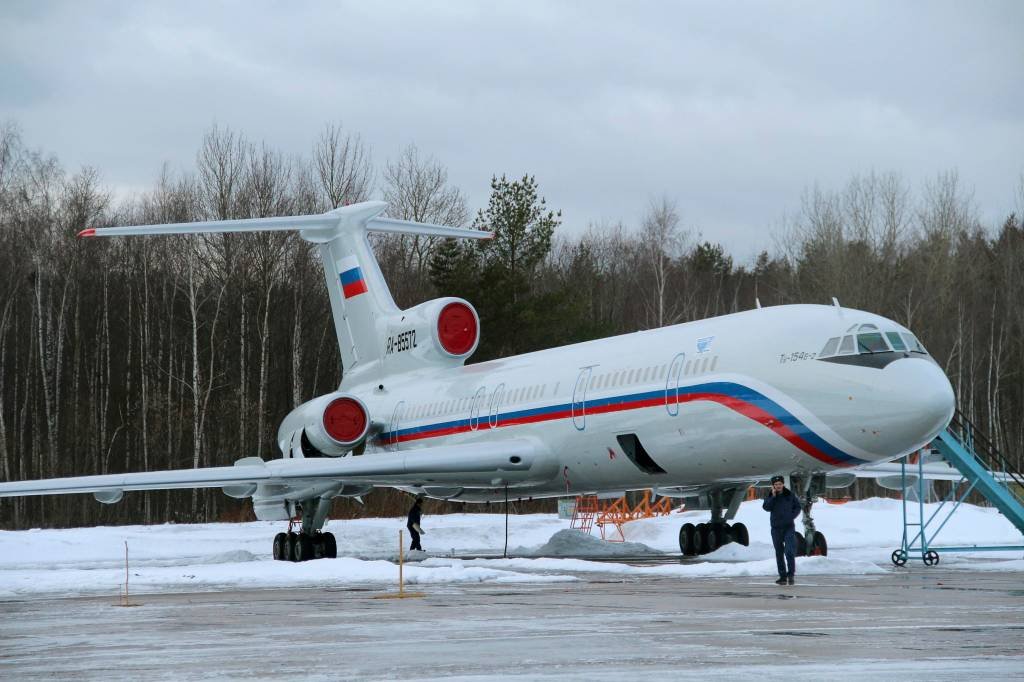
<point>607,514</point>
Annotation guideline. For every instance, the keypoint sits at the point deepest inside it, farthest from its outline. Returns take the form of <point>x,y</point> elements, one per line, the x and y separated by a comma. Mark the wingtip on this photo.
<point>88,232</point>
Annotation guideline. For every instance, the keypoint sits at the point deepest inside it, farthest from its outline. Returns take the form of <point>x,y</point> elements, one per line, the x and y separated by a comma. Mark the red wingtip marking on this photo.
<point>90,232</point>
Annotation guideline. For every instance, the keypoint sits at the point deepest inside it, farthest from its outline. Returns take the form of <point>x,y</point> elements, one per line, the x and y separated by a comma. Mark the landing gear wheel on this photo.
<point>712,539</point>
<point>801,544</point>
<point>930,558</point>
<point>818,546</point>
<point>700,538</point>
<point>291,546</point>
<point>281,547</point>
<point>899,558</point>
<point>724,532</point>
<point>330,545</point>
<point>304,548</point>
<point>687,535</point>
<point>740,534</point>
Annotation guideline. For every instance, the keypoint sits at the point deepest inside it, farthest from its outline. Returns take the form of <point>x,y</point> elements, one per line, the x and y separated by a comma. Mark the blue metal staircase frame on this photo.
<point>974,456</point>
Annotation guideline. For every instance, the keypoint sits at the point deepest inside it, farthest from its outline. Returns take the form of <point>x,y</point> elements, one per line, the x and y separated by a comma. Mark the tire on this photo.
<point>686,539</point>
<point>281,547</point>
<point>291,543</point>
<point>740,535</point>
<point>712,538</point>
<point>930,558</point>
<point>330,546</point>
<point>801,544</point>
<point>818,547</point>
<point>304,548</point>
<point>700,533</point>
<point>899,558</point>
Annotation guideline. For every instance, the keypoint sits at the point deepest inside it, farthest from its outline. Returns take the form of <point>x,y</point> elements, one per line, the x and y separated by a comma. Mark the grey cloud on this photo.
<point>731,109</point>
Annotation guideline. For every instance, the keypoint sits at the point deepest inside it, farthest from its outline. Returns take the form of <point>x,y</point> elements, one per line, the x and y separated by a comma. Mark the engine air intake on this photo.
<point>457,328</point>
<point>345,421</point>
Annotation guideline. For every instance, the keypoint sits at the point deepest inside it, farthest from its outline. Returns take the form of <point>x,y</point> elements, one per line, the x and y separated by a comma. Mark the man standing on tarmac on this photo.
<point>413,524</point>
<point>784,508</point>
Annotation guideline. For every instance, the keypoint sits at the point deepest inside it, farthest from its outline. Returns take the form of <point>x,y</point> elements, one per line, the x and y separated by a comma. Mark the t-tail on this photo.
<point>376,339</point>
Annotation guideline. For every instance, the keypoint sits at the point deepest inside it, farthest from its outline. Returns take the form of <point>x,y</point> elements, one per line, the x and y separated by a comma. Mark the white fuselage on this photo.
<point>729,399</point>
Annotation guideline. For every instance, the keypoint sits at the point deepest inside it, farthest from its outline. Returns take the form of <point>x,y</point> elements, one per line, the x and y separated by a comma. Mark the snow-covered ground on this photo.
<point>861,536</point>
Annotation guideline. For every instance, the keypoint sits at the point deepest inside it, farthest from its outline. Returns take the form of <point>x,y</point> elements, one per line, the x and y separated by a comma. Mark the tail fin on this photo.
<point>361,302</point>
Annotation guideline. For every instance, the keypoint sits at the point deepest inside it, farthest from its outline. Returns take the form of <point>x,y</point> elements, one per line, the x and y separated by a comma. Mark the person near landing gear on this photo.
<point>784,507</point>
<point>413,524</point>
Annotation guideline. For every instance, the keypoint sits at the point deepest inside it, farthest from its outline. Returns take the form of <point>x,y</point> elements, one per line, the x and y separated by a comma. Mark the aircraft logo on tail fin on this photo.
<point>352,282</point>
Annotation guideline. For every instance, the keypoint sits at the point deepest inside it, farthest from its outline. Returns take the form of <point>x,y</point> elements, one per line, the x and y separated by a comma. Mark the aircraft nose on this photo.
<point>925,401</point>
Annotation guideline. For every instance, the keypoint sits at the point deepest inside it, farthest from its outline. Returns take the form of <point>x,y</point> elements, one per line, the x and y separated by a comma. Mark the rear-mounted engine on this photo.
<point>330,425</point>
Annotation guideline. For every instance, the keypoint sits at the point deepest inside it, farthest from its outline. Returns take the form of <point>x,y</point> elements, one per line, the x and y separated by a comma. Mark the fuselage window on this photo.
<point>872,342</point>
<point>831,346</point>
<point>714,363</point>
<point>704,365</point>
<point>632,377</point>
<point>846,347</point>
<point>689,366</point>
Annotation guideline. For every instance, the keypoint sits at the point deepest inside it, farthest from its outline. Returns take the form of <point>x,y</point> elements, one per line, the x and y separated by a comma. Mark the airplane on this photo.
<point>699,411</point>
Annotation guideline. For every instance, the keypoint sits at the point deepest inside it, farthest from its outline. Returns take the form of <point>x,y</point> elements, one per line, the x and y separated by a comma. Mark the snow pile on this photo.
<point>861,536</point>
<point>575,543</point>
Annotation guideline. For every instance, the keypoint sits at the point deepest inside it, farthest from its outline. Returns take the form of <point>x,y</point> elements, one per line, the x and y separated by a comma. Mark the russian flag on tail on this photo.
<point>352,282</point>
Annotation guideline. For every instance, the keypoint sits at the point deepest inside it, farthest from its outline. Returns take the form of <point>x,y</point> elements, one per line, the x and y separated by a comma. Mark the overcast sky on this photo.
<point>731,109</point>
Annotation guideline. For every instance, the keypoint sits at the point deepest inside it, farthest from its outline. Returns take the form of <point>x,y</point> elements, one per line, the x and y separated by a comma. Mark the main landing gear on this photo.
<point>704,538</point>
<point>812,541</point>
<point>292,546</point>
<point>309,541</point>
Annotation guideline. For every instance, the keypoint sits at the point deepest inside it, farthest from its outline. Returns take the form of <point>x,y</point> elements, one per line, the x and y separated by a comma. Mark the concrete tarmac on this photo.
<point>916,623</point>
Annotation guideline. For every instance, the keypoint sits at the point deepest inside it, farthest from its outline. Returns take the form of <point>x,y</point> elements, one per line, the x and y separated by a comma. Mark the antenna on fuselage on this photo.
<point>835,304</point>
<point>758,302</point>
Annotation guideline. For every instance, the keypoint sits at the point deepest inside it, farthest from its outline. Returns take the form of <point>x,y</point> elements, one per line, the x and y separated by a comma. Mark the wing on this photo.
<point>934,471</point>
<point>489,465</point>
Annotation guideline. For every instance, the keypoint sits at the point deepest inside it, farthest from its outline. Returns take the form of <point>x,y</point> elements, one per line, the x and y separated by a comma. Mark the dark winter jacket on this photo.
<point>785,507</point>
<point>414,516</point>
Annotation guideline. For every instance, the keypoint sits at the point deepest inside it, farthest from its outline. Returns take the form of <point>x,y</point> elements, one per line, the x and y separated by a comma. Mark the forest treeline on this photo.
<point>143,354</point>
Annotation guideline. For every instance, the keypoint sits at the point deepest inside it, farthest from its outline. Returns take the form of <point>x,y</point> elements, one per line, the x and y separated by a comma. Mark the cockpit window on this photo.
<point>895,340</point>
<point>913,344</point>
<point>868,339</point>
<point>830,347</point>
<point>871,342</point>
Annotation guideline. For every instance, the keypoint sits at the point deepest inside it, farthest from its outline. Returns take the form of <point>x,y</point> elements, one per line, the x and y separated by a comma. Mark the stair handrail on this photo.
<point>971,437</point>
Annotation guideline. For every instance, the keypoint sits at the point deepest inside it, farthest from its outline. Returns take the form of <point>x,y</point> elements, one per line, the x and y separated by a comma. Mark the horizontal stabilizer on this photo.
<point>316,227</point>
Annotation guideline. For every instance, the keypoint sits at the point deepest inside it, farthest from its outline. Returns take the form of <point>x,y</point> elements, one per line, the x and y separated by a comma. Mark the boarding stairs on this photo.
<point>610,515</point>
<point>984,470</point>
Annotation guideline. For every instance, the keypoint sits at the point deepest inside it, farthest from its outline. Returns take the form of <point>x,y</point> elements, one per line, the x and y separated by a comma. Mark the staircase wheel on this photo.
<point>330,546</point>
<point>899,558</point>
<point>801,544</point>
<point>281,547</point>
<point>740,534</point>
<point>686,534</point>
<point>930,558</point>
<point>304,548</point>
<point>818,546</point>
<point>291,546</point>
